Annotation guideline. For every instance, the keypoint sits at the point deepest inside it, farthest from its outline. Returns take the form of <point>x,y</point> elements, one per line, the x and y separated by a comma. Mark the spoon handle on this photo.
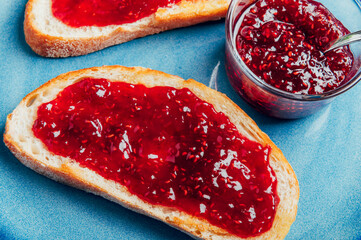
<point>345,40</point>
<point>358,2</point>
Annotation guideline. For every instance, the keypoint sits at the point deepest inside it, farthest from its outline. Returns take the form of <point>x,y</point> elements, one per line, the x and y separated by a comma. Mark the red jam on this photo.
<point>168,147</point>
<point>281,41</point>
<point>79,13</point>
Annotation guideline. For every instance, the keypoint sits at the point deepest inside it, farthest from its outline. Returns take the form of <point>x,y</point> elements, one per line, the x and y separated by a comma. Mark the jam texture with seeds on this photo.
<point>168,147</point>
<point>282,41</point>
<point>79,13</point>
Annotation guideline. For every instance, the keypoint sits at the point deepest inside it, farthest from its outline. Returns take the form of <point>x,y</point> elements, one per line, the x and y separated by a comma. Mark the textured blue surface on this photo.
<point>324,149</point>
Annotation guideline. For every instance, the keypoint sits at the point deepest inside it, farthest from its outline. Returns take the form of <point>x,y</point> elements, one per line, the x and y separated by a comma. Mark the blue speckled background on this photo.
<point>324,149</point>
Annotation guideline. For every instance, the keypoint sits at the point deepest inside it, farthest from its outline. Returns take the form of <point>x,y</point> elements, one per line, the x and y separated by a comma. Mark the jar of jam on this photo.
<point>275,56</point>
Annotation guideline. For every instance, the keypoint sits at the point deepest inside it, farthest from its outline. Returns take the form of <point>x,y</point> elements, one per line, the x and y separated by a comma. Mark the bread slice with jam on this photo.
<point>63,35</point>
<point>55,125</point>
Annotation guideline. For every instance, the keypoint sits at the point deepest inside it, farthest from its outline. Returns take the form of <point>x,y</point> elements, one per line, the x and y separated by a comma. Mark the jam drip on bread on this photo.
<point>102,13</point>
<point>168,147</point>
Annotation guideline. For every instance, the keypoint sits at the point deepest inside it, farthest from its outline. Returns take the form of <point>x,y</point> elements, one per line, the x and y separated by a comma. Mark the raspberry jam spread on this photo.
<point>168,147</point>
<point>79,13</point>
<point>281,41</point>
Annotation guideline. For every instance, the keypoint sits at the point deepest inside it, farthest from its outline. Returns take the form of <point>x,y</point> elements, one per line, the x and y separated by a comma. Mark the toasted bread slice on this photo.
<point>31,151</point>
<point>50,37</point>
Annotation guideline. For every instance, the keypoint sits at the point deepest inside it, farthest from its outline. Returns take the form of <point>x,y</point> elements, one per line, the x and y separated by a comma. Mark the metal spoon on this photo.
<point>358,2</point>
<point>345,40</point>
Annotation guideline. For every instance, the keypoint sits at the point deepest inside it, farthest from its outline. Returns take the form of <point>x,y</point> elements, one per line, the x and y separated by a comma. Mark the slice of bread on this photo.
<point>49,37</point>
<point>19,138</point>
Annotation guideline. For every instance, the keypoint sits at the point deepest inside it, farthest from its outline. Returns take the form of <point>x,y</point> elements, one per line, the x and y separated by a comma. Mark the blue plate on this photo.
<point>324,149</point>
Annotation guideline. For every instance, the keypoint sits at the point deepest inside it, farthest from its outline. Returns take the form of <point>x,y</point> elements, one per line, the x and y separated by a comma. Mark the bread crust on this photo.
<point>19,138</point>
<point>48,44</point>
